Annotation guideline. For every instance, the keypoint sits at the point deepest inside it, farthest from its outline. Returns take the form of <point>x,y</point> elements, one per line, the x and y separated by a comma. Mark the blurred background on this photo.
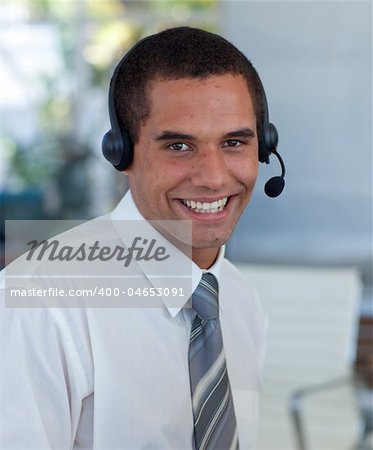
<point>311,247</point>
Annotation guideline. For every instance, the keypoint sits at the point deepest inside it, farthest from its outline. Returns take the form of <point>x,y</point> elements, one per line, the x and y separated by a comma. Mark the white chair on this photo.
<point>313,315</point>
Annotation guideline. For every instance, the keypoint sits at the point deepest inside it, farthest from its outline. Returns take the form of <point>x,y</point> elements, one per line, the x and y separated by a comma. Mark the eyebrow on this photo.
<point>172,135</point>
<point>242,132</point>
<point>175,135</point>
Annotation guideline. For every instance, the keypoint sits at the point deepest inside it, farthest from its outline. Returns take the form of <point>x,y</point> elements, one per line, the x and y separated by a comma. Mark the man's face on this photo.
<point>197,157</point>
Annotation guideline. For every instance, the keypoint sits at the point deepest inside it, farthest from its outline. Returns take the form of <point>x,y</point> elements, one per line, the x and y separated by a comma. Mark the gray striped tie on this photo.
<point>214,419</point>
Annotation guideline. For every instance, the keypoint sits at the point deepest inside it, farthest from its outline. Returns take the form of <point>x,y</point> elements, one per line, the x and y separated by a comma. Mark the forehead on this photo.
<point>187,98</point>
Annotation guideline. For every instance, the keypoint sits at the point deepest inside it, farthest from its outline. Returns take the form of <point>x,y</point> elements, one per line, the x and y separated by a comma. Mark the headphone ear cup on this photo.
<point>117,149</point>
<point>109,147</point>
<point>268,142</point>
<point>263,153</point>
<point>126,152</point>
<point>272,137</point>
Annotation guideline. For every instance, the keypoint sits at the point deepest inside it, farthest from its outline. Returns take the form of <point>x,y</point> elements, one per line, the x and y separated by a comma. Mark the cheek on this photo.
<point>246,171</point>
<point>160,179</point>
<point>174,173</point>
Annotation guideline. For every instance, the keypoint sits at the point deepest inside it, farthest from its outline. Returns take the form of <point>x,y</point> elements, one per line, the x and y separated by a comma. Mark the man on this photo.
<point>190,107</point>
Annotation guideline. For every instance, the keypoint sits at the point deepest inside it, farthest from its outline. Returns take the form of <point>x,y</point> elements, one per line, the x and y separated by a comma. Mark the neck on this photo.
<point>204,257</point>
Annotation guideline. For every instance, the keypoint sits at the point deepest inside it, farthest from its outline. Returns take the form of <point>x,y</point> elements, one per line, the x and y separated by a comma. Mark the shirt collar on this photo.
<point>127,210</point>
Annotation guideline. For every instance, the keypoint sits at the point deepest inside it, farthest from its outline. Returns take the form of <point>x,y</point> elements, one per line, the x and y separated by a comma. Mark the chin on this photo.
<point>212,234</point>
<point>217,242</point>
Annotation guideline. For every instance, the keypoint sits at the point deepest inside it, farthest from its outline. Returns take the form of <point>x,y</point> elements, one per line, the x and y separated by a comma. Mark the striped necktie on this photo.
<point>213,412</point>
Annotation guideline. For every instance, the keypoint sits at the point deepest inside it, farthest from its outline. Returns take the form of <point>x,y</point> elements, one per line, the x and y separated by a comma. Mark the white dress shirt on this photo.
<point>117,378</point>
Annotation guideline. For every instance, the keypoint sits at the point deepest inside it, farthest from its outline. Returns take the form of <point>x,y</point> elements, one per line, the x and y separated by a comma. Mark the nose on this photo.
<point>210,169</point>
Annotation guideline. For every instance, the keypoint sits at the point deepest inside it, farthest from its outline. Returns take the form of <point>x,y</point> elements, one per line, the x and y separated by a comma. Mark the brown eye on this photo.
<point>179,147</point>
<point>233,143</point>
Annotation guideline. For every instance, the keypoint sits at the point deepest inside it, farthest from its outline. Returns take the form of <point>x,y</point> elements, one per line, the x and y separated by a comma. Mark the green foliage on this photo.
<point>31,164</point>
<point>190,4</point>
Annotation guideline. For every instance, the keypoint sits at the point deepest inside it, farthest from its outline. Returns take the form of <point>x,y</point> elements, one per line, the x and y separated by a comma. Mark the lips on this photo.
<point>206,207</point>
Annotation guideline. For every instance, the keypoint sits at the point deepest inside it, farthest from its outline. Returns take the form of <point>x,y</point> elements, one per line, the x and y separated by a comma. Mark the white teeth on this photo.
<point>206,207</point>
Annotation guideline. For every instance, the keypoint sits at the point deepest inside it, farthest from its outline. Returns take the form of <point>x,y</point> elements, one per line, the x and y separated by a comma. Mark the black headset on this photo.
<point>117,147</point>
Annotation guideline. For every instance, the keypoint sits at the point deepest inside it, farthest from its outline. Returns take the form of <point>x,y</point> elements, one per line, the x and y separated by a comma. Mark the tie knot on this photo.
<point>205,297</point>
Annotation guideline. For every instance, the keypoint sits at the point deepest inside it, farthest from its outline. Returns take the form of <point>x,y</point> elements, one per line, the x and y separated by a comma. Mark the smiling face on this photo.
<point>197,158</point>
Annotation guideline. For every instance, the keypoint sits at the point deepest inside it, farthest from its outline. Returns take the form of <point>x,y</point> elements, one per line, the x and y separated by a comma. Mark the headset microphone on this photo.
<point>268,142</point>
<point>275,185</point>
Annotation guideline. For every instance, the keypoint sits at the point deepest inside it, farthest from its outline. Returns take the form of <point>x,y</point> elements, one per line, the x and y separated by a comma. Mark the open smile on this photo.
<point>206,207</point>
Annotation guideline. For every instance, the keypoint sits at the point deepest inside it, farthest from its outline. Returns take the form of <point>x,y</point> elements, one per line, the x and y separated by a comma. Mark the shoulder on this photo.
<point>238,282</point>
<point>242,302</point>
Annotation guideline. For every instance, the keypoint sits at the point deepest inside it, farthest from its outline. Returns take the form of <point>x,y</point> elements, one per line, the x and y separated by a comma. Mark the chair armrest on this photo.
<point>295,404</point>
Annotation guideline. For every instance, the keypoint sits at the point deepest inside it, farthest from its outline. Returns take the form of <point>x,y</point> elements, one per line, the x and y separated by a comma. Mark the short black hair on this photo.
<point>181,52</point>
